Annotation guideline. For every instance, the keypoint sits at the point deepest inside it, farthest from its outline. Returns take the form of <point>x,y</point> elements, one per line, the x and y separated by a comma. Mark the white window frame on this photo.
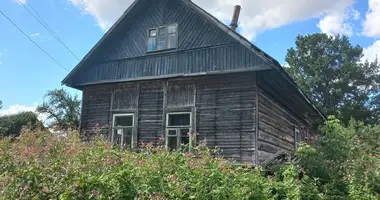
<point>122,127</point>
<point>178,128</point>
<point>178,113</point>
<point>166,38</point>
<point>297,134</point>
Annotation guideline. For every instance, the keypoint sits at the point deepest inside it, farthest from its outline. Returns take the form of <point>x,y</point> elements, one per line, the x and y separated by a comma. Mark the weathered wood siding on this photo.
<point>150,111</point>
<point>225,114</point>
<point>223,108</point>
<point>276,127</point>
<point>202,47</point>
<point>96,106</point>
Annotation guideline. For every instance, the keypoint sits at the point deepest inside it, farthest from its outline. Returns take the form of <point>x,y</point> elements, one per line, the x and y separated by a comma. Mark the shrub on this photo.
<point>43,166</point>
<point>10,125</point>
<point>345,160</point>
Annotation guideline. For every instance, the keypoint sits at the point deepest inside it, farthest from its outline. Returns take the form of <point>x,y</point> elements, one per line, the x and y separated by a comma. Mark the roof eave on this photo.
<point>93,49</point>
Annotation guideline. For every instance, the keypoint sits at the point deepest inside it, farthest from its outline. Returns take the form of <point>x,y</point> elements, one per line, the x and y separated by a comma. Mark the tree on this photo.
<point>61,107</point>
<point>330,71</point>
<point>11,125</point>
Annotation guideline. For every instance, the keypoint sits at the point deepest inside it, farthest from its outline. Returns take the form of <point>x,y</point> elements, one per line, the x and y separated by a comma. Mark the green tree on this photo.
<point>11,125</point>
<point>330,71</point>
<point>61,107</point>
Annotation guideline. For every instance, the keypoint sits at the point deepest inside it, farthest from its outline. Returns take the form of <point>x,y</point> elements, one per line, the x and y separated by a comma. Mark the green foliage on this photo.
<point>330,71</point>
<point>343,164</point>
<point>345,160</point>
<point>10,125</point>
<point>61,107</point>
<point>44,166</point>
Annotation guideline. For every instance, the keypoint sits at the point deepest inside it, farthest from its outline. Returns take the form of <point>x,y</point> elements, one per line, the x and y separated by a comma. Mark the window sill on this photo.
<point>161,51</point>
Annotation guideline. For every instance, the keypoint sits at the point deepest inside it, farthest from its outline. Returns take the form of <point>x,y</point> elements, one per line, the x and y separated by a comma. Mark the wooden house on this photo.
<point>167,67</point>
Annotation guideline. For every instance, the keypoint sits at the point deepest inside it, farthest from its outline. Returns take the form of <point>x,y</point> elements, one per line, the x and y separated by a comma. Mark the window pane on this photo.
<point>185,140</point>
<point>126,133</point>
<point>117,137</point>
<point>152,44</point>
<point>172,29</point>
<point>161,43</point>
<point>172,132</point>
<point>162,31</point>
<point>172,143</point>
<point>127,137</point>
<point>179,119</point>
<point>184,132</point>
<point>172,41</point>
<point>123,121</point>
<point>153,33</point>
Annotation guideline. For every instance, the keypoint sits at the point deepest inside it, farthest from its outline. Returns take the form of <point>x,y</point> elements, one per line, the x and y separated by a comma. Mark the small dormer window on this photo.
<point>163,38</point>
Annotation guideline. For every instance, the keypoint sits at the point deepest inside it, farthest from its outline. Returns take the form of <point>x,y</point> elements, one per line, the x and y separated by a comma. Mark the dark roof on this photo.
<point>272,62</point>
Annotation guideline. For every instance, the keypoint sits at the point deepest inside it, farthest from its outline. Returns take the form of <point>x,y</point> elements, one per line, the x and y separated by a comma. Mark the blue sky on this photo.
<point>26,73</point>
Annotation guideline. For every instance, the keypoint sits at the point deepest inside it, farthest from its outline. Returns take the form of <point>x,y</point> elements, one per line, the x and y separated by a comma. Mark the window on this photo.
<point>162,38</point>
<point>297,137</point>
<point>122,130</point>
<point>178,126</point>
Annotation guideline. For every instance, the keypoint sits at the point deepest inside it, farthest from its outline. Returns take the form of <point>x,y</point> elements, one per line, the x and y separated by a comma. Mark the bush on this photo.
<point>345,160</point>
<point>11,125</point>
<point>343,164</point>
<point>44,166</point>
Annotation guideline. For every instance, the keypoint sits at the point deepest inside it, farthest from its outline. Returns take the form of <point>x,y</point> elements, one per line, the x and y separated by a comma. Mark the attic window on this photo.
<point>163,38</point>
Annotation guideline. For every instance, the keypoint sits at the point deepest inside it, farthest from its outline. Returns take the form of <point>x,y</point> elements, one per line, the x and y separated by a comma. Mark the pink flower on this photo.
<point>171,177</point>
<point>140,162</point>
<point>162,138</point>
<point>97,125</point>
<point>46,149</point>
<point>45,190</point>
<point>95,193</point>
<point>26,188</point>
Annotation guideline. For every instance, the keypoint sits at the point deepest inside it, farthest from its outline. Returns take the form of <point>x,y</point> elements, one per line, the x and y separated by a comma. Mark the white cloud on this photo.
<point>355,14</point>
<point>338,22</point>
<point>372,52</point>
<point>371,25</point>
<point>256,16</point>
<point>20,1</point>
<point>35,35</point>
<point>15,109</point>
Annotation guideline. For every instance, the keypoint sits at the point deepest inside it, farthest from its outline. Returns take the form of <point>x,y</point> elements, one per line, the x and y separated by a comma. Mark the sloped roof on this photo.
<point>274,64</point>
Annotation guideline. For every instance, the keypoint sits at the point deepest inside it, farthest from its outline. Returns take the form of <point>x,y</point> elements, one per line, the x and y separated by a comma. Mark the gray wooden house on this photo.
<point>167,67</point>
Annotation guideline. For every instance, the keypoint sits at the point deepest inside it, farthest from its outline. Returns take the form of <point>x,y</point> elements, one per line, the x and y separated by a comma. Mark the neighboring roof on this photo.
<point>273,63</point>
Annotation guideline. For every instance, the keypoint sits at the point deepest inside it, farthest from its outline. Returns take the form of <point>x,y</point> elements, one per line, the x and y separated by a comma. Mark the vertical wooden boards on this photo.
<point>150,111</point>
<point>95,107</point>
<point>225,106</point>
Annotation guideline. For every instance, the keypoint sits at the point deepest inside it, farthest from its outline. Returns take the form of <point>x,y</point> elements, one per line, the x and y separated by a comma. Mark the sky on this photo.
<point>26,72</point>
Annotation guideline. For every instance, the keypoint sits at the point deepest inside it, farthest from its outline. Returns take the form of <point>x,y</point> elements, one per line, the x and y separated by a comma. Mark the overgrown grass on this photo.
<point>43,166</point>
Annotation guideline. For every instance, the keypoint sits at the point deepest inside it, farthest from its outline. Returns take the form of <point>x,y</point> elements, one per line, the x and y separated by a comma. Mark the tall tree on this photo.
<point>62,107</point>
<point>329,69</point>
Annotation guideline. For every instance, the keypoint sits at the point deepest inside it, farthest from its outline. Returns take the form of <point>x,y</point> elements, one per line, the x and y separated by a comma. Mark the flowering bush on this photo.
<point>343,164</point>
<point>43,166</point>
